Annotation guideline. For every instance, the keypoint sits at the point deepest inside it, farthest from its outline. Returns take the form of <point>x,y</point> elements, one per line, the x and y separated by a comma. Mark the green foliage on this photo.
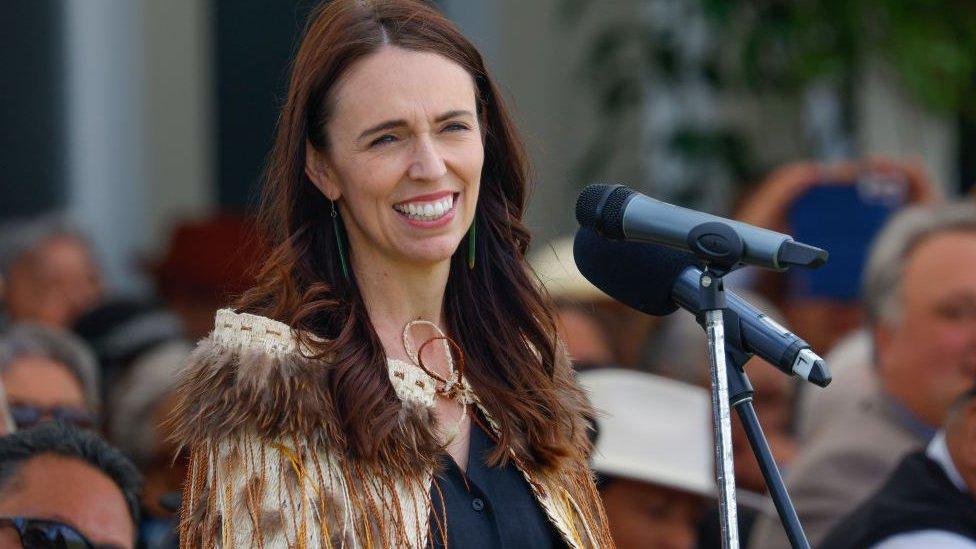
<point>783,44</point>
<point>780,46</point>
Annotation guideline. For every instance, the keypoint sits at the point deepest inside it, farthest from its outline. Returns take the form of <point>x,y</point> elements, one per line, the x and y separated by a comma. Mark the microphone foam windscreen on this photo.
<point>638,274</point>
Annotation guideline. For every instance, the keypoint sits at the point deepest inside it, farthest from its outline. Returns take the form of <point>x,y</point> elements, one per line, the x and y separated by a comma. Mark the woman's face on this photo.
<point>405,157</point>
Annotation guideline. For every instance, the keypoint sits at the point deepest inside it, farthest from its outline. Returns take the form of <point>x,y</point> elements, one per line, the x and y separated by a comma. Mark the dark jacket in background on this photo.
<point>918,496</point>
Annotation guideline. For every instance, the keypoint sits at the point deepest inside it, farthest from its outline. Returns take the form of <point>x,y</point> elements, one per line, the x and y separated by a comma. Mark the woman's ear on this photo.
<point>320,174</point>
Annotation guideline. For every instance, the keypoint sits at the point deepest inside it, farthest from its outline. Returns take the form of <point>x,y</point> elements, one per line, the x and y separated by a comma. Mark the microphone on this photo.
<point>621,213</point>
<point>657,280</point>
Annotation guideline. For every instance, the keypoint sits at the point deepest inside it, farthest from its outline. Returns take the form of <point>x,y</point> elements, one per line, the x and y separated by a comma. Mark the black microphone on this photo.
<point>657,280</point>
<point>618,212</point>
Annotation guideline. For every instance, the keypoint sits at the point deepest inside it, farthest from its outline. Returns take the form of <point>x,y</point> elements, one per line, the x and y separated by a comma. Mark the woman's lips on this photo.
<point>429,210</point>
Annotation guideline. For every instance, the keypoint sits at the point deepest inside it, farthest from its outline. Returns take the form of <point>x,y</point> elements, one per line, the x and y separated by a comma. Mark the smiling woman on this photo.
<point>379,386</point>
<point>407,185</point>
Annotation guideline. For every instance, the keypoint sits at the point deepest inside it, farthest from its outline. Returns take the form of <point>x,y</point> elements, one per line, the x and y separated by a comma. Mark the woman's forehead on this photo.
<point>399,83</point>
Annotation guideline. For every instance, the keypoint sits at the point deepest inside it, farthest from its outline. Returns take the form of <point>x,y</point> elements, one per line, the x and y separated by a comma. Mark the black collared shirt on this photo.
<point>489,507</point>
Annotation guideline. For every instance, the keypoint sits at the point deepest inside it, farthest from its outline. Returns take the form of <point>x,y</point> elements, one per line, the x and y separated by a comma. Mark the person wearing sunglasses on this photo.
<point>45,534</point>
<point>62,487</point>
<point>48,374</point>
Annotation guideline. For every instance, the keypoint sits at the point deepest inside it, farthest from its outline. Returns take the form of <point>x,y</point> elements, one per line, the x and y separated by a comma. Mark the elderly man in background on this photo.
<point>64,487</point>
<point>928,500</point>
<point>920,301</point>
<point>653,456</point>
<point>47,272</point>
<point>48,374</point>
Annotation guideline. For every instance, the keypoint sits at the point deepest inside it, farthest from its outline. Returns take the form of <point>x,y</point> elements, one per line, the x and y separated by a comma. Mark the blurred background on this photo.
<point>133,134</point>
<point>135,116</point>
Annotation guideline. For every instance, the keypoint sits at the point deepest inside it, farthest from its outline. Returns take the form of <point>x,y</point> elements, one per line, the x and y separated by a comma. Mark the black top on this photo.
<point>489,507</point>
<point>917,496</point>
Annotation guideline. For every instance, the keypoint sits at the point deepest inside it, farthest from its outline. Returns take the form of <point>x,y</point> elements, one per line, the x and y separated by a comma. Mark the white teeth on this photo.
<point>429,211</point>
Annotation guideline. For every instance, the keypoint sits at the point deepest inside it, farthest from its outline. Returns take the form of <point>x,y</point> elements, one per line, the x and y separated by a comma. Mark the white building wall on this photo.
<point>891,122</point>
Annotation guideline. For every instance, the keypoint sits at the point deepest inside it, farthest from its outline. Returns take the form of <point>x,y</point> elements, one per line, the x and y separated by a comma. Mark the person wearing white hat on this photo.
<point>653,456</point>
<point>596,330</point>
<point>582,332</point>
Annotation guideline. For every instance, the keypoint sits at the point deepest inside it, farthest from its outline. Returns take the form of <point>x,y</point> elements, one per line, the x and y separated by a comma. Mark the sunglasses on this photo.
<point>25,415</point>
<point>48,534</point>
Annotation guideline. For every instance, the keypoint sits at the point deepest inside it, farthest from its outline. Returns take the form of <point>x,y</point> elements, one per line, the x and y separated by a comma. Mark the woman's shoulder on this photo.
<point>250,376</point>
<point>251,332</point>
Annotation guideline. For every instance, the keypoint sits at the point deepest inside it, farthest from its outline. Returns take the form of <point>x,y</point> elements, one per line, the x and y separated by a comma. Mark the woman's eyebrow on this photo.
<point>391,124</point>
<point>388,125</point>
<point>453,114</point>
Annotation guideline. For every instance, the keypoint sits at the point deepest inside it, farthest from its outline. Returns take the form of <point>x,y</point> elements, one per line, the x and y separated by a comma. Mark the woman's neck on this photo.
<point>395,294</point>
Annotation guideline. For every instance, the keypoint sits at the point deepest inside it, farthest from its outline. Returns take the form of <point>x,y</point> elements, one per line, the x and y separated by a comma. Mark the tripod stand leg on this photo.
<point>757,440</point>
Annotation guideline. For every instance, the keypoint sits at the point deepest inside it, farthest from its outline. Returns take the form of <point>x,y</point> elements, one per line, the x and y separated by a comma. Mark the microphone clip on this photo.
<point>718,245</point>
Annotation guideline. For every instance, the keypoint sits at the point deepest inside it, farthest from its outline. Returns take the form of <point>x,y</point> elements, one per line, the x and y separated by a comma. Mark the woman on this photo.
<point>395,374</point>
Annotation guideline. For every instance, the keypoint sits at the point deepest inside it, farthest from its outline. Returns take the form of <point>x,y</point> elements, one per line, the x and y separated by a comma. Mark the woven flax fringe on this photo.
<point>268,466</point>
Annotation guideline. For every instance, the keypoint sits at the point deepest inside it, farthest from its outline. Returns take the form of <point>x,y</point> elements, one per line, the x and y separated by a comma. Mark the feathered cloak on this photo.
<point>265,470</point>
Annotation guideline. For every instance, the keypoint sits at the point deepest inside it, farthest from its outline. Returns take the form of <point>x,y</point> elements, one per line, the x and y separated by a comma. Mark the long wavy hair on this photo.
<point>496,312</point>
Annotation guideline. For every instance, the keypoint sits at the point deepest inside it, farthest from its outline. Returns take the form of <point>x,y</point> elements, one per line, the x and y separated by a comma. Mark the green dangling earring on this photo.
<point>337,228</point>
<point>471,243</point>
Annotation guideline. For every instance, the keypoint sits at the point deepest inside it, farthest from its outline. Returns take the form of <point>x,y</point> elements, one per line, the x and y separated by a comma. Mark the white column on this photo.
<point>106,160</point>
<point>139,125</point>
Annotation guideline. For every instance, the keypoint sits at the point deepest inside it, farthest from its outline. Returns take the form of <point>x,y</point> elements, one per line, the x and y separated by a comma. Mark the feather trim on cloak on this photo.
<point>268,465</point>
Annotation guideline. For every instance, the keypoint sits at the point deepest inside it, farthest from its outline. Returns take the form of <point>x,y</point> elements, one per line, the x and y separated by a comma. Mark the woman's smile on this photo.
<point>428,211</point>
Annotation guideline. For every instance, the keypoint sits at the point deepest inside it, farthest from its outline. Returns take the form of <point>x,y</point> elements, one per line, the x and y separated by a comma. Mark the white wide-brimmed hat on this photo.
<point>652,429</point>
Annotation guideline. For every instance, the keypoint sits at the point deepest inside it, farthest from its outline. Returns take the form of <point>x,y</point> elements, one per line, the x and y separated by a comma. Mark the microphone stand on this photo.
<point>713,292</point>
<point>740,395</point>
<point>721,247</point>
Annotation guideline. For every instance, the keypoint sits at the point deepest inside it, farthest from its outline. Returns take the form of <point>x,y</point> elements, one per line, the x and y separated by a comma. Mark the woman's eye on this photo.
<point>382,140</point>
<point>455,127</point>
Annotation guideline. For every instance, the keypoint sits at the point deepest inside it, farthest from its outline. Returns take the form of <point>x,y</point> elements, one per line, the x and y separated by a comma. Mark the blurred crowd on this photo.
<point>77,360</point>
<point>883,457</point>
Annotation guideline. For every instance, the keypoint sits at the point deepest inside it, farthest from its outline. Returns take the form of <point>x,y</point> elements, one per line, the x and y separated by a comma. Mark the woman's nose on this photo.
<point>427,163</point>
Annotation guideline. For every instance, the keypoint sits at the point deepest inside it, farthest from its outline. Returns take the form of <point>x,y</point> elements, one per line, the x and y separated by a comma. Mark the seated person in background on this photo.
<point>585,340</point>
<point>838,206</point>
<point>682,354</point>
<point>67,487</point>
<point>853,372</point>
<point>207,262</point>
<point>653,456</point>
<point>142,396</point>
<point>928,500</point>
<point>120,331</point>
<point>597,330</point>
<point>920,304</point>
<point>47,272</point>
<point>48,374</point>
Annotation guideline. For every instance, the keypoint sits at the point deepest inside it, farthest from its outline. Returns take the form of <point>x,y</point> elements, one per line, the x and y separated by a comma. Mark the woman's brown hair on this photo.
<point>495,312</point>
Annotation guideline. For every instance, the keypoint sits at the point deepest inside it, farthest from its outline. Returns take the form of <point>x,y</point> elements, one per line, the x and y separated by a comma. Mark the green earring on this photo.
<point>337,229</point>
<point>471,243</point>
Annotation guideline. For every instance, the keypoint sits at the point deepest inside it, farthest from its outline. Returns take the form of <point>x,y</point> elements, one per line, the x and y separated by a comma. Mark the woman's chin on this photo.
<point>431,254</point>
